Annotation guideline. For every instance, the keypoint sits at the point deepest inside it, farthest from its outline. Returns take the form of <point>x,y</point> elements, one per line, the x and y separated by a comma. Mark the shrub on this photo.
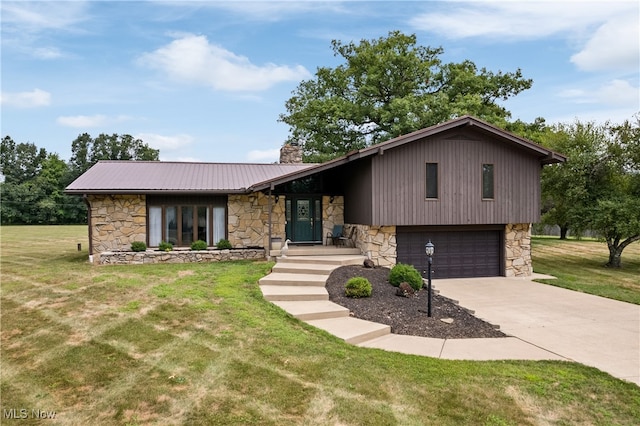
<point>224,244</point>
<point>405,273</point>
<point>199,245</point>
<point>358,287</point>
<point>164,246</point>
<point>138,246</point>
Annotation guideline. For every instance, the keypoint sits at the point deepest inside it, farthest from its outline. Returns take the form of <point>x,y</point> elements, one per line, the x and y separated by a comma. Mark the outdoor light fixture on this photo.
<point>429,248</point>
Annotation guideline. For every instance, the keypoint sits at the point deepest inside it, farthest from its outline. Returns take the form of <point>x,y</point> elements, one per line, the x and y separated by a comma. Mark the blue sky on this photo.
<point>206,81</point>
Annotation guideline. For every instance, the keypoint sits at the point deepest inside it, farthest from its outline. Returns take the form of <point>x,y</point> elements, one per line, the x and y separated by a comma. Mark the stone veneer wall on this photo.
<point>179,256</point>
<point>518,250</point>
<point>117,221</point>
<point>248,222</point>
<point>332,214</point>
<point>378,243</point>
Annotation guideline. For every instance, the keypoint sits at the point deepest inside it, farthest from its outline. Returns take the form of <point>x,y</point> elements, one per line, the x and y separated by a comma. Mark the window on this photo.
<point>183,220</point>
<point>432,180</point>
<point>155,226</point>
<point>487,181</point>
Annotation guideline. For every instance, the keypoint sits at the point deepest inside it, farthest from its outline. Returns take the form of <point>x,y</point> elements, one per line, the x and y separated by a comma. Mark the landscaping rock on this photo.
<point>368,263</point>
<point>405,290</point>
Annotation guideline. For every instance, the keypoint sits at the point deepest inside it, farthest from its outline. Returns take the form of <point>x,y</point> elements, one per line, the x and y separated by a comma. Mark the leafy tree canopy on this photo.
<point>86,151</point>
<point>34,180</point>
<point>598,187</point>
<point>20,162</point>
<point>389,87</point>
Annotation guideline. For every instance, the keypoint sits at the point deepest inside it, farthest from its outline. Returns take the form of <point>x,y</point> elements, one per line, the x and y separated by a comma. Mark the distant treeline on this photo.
<point>33,180</point>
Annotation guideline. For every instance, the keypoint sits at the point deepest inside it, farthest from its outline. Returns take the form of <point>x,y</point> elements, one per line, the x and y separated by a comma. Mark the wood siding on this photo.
<point>358,192</point>
<point>398,193</point>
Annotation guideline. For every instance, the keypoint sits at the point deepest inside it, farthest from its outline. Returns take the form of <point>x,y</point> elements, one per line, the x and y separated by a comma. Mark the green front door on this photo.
<point>303,223</point>
<point>304,219</point>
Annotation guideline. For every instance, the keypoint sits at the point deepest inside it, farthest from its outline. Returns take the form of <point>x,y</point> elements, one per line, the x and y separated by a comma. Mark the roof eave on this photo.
<point>260,186</point>
<point>154,192</point>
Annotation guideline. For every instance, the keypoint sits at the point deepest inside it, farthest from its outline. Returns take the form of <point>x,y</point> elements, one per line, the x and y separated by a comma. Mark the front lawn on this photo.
<point>197,344</point>
<point>579,265</point>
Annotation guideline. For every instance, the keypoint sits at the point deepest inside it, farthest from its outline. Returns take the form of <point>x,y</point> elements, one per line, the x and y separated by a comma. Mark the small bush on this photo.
<point>358,287</point>
<point>199,245</point>
<point>405,273</point>
<point>224,244</point>
<point>138,246</point>
<point>164,246</point>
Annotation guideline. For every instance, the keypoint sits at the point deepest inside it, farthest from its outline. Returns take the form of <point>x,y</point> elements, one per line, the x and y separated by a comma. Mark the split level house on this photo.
<point>470,188</point>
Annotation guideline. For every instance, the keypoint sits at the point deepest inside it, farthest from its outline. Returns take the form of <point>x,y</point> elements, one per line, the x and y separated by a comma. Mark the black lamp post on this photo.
<point>429,249</point>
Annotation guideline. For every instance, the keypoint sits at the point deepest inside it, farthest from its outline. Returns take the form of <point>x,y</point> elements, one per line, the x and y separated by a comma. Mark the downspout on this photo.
<point>269,208</point>
<point>86,201</point>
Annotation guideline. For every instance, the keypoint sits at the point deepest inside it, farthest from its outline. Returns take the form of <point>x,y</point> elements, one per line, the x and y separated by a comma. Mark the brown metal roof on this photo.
<point>122,177</point>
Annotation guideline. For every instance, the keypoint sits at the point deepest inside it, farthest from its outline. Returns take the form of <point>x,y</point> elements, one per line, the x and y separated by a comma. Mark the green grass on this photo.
<point>197,344</point>
<point>579,265</point>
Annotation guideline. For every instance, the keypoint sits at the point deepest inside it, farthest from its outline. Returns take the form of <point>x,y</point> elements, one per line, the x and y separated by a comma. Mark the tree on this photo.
<point>34,181</point>
<point>21,162</point>
<point>86,151</point>
<point>598,187</point>
<point>389,87</point>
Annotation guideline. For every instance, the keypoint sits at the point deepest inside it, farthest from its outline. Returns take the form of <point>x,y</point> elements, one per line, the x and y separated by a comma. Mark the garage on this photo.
<point>460,252</point>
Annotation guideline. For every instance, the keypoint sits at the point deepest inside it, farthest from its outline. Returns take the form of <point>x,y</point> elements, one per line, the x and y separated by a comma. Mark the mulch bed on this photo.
<point>406,315</point>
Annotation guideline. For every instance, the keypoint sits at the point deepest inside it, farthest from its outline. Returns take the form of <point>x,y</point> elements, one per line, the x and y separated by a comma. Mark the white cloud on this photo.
<point>615,93</point>
<point>165,142</point>
<point>193,59</point>
<point>34,98</point>
<point>519,20</point>
<point>25,22</point>
<point>86,121</point>
<point>614,46</point>
<point>47,53</point>
<point>619,93</point>
<point>264,156</point>
<point>266,10</point>
<point>41,15</point>
<point>179,159</point>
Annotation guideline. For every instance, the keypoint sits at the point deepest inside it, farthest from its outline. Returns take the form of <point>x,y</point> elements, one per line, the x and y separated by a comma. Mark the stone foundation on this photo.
<point>378,243</point>
<point>139,258</point>
<point>518,250</point>
<point>117,221</point>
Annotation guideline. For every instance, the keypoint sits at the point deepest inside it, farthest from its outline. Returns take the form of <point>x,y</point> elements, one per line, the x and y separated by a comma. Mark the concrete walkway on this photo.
<point>591,330</point>
<point>544,322</point>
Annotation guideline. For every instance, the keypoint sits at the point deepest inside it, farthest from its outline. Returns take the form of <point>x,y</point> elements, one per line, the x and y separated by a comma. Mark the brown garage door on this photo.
<point>459,252</point>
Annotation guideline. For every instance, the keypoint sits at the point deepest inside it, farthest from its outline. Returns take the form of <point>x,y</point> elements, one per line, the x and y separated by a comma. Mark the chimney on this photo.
<point>291,153</point>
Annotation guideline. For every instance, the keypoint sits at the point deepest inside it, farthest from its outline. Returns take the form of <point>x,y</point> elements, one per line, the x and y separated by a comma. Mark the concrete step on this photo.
<point>313,310</point>
<point>317,251</point>
<point>274,293</point>
<point>286,279</point>
<point>304,268</point>
<point>337,260</point>
<point>352,330</point>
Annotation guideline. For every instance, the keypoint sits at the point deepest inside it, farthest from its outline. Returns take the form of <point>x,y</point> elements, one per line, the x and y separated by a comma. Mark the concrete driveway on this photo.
<point>591,330</point>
